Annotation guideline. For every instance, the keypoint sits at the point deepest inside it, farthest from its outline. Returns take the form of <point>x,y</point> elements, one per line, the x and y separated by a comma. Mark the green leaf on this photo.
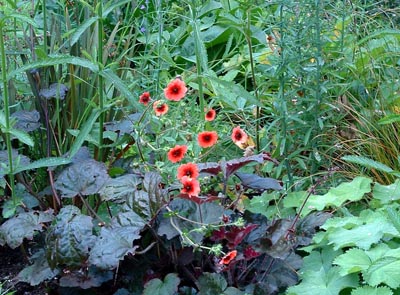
<point>111,77</point>
<point>158,287</point>
<point>22,137</point>
<point>394,217</point>
<point>84,178</point>
<point>23,18</point>
<point>83,133</point>
<point>387,193</point>
<point>70,237</point>
<point>354,260</point>
<point>384,271</point>
<point>23,226</point>
<point>81,29</point>
<point>45,162</point>
<point>368,290</point>
<point>116,240</point>
<point>368,163</point>
<point>389,119</point>
<point>53,60</point>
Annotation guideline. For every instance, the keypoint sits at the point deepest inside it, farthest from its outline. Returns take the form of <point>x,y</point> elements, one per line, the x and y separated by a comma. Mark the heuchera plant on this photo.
<point>142,230</point>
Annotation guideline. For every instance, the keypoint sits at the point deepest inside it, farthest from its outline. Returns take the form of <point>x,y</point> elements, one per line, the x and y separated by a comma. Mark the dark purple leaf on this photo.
<point>125,126</point>
<point>23,226</point>
<point>95,278</point>
<point>85,178</point>
<point>235,235</point>
<point>56,90</point>
<point>27,121</point>
<point>17,159</point>
<point>258,183</point>
<point>232,166</point>
<point>210,167</point>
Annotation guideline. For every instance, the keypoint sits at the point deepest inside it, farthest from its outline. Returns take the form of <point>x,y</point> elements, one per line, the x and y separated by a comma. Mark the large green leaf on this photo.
<point>23,226</point>
<point>387,193</point>
<point>167,287</point>
<point>70,237</point>
<point>336,197</point>
<point>384,271</point>
<point>368,290</point>
<point>354,260</point>
<point>116,240</point>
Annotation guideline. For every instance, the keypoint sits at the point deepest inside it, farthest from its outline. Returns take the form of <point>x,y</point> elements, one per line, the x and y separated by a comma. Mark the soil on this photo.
<point>12,261</point>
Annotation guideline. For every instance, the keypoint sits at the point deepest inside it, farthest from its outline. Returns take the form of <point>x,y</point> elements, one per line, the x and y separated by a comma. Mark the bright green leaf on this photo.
<point>387,193</point>
<point>384,271</point>
<point>368,290</point>
<point>158,287</point>
<point>354,260</point>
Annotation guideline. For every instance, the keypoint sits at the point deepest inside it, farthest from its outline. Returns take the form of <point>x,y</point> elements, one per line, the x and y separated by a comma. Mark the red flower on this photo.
<point>175,90</point>
<point>177,153</point>
<point>228,257</point>
<point>238,135</point>
<point>160,108</point>
<point>210,115</point>
<point>207,138</point>
<point>190,170</point>
<point>145,98</point>
<point>190,186</point>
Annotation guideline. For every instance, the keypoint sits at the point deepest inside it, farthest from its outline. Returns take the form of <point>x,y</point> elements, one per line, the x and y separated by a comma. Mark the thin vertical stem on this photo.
<point>6,112</point>
<point>100,77</point>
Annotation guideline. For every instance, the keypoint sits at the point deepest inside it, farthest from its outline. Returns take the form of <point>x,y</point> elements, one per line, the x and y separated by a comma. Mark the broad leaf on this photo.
<point>26,121</point>
<point>258,183</point>
<point>18,161</point>
<point>84,178</point>
<point>211,284</point>
<point>125,126</point>
<point>23,226</point>
<point>70,237</point>
<point>384,271</point>
<point>121,188</point>
<point>167,287</point>
<point>116,240</point>
<point>38,272</point>
<point>55,90</point>
<point>354,260</point>
<point>368,290</point>
<point>83,280</point>
<point>387,193</point>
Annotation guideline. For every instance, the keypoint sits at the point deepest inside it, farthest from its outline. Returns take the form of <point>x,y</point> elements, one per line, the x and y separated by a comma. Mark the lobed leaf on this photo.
<point>368,290</point>
<point>167,287</point>
<point>384,271</point>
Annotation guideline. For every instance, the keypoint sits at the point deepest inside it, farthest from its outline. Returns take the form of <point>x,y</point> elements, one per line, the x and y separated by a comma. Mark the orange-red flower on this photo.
<point>238,135</point>
<point>210,115</point>
<point>177,153</point>
<point>176,90</point>
<point>228,257</point>
<point>207,138</point>
<point>160,108</point>
<point>145,98</point>
<point>190,186</point>
<point>190,170</point>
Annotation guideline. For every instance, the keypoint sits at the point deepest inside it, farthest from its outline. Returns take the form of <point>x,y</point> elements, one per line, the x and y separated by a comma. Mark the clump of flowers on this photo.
<point>160,108</point>
<point>176,90</point>
<point>177,153</point>
<point>207,138</point>
<point>210,115</point>
<point>145,98</point>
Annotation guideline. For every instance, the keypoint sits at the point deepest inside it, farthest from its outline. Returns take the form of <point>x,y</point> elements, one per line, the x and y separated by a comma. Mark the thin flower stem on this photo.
<point>100,77</point>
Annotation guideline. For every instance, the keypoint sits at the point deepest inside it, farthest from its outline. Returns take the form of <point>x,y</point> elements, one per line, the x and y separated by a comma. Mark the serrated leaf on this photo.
<point>55,90</point>
<point>354,260</point>
<point>387,193</point>
<point>23,226</point>
<point>18,161</point>
<point>211,284</point>
<point>70,237</point>
<point>120,189</point>
<point>85,178</point>
<point>167,287</point>
<point>368,290</point>
<point>116,241</point>
<point>26,121</point>
<point>38,272</point>
<point>368,163</point>
<point>22,137</point>
<point>384,271</point>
